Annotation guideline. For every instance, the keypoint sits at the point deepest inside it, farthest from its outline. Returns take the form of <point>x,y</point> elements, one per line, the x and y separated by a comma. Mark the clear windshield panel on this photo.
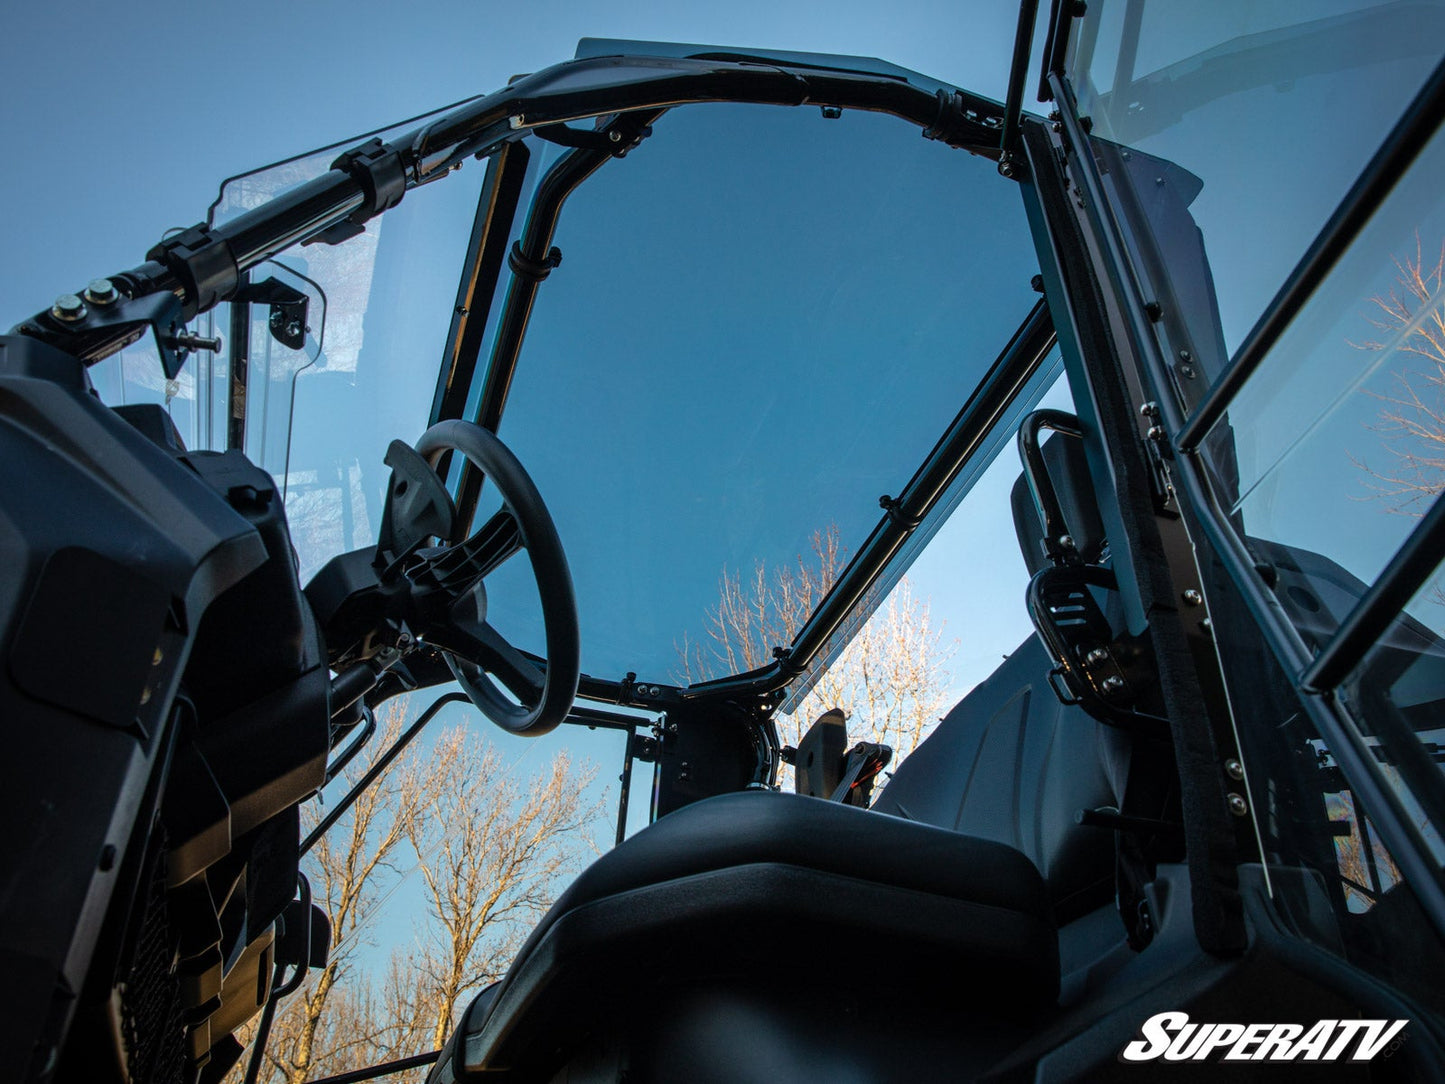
<point>320,418</point>
<point>1248,121</point>
<point>1335,447</point>
<point>764,320</point>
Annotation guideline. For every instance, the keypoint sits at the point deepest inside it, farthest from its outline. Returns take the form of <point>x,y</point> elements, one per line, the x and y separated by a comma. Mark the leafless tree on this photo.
<point>492,853</point>
<point>891,679</point>
<point>1412,416</point>
<point>493,858</point>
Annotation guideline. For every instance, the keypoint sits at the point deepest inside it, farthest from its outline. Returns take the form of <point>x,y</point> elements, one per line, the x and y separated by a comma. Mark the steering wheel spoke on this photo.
<point>480,657</point>
<point>489,547</point>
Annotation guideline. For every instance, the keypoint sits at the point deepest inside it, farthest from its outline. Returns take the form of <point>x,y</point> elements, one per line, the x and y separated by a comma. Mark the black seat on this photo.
<point>720,887</point>
<point>1012,764</point>
<point>936,896</point>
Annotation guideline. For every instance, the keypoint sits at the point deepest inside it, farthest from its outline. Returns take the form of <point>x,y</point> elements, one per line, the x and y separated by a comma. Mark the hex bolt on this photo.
<point>1193,597</point>
<point>1096,656</point>
<point>1155,433</point>
<point>68,307</point>
<point>1185,355</point>
<point>1237,805</point>
<point>1112,684</point>
<point>1233,768</point>
<point>1149,409</point>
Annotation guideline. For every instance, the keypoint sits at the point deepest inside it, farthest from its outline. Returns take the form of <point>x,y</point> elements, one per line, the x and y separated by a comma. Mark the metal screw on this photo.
<point>1112,684</point>
<point>1159,181</point>
<point>68,307</point>
<point>614,136</point>
<point>1066,541</point>
<point>1234,768</point>
<point>1155,433</point>
<point>100,292</point>
<point>1185,355</point>
<point>1095,657</point>
<point>1150,409</point>
<point>1208,626</point>
<point>1237,805</point>
<point>1193,597</point>
<point>1187,372</point>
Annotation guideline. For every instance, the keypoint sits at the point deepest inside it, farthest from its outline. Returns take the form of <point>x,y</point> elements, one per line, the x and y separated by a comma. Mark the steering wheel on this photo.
<point>474,649</point>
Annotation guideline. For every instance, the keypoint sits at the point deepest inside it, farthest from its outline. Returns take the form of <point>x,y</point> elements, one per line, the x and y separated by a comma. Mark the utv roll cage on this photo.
<point>1171,532</point>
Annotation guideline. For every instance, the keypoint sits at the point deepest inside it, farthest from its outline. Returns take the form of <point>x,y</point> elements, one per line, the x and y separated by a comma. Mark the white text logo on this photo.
<point>1173,1037</point>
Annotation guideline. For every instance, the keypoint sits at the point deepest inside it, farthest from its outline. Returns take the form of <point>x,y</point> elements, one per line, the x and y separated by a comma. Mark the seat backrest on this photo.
<point>1012,764</point>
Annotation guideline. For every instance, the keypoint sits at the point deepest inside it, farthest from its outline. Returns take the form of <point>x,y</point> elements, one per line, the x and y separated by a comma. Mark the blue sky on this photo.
<point>120,120</point>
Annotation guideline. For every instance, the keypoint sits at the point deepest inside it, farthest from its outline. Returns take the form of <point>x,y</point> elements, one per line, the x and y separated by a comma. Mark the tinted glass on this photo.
<point>1337,441</point>
<point>1249,121</point>
<point>763,321</point>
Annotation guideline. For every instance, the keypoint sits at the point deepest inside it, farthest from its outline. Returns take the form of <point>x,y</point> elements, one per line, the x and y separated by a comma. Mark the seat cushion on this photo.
<point>1012,764</point>
<point>743,884</point>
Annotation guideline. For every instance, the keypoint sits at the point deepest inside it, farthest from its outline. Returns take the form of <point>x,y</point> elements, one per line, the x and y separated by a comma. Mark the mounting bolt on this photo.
<point>1237,805</point>
<point>1066,541</point>
<point>1193,597</point>
<point>1096,656</point>
<point>101,292</point>
<point>1233,768</point>
<point>1153,310</point>
<point>1149,409</point>
<point>1155,433</point>
<point>1112,684</point>
<point>68,307</point>
<point>614,136</point>
<point>1207,626</point>
<point>1185,355</point>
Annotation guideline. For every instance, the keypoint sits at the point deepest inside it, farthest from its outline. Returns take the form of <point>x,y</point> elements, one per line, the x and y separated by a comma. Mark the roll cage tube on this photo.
<point>200,267</point>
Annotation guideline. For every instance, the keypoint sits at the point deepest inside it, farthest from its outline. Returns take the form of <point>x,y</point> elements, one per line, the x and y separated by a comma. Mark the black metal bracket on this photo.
<point>380,172</point>
<point>1104,674</point>
<point>289,307</point>
<point>611,141</point>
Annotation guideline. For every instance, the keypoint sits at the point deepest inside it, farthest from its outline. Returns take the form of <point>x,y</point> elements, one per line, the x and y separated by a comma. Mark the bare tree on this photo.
<point>329,1025</point>
<point>493,858</point>
<point>891,679</point>
<point>1412,418</point>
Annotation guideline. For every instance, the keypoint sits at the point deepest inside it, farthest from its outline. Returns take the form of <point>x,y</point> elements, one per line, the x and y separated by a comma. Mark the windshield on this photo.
<point>763,321</point>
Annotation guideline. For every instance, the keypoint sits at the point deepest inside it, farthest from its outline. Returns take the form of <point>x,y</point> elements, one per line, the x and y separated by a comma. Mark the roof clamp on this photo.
<point>893,506</point>
<point>203,262</point>
<point>381,173</point>
<point>523,266</point>
<point>956,123</point>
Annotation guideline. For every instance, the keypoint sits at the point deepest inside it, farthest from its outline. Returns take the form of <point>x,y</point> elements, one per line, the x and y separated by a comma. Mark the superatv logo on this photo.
<point>1171,1036</point>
